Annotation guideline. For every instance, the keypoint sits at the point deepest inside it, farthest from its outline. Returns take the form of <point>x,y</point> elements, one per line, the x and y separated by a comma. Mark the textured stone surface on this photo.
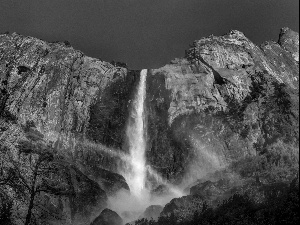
<point>56,89</point>
<point>63,194</point>
<point>223,100</point>
<point>108,217</point>
<point>86,198</point>
<point>152,212</point>
<point>51,84</point>
<point>228,61</point>
<point>226,99</point>
<point>209,103</point>
<point>183,208</point>
<point>289,40</point>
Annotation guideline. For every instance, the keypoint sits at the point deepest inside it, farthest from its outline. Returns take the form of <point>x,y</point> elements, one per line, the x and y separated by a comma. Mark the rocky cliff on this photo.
<point>66,100</point>
<point>226,100</point>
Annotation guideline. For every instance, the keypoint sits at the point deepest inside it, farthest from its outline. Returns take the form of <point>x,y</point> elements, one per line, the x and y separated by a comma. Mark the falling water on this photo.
<point>131,205</point>
<point>136,139</point>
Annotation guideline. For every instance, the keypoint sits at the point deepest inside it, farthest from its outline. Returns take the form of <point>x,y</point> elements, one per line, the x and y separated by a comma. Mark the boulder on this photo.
<point>206,190</point>
<point>183,208</point>
<point>152,212</point>
<point>108,217</point>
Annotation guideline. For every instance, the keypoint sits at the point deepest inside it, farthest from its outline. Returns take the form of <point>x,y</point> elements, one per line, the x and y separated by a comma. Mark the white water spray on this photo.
<point>175,192</point>
<point>136,178</point>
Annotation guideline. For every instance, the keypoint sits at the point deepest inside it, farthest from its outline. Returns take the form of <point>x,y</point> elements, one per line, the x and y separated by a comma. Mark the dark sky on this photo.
<point>145,33</point>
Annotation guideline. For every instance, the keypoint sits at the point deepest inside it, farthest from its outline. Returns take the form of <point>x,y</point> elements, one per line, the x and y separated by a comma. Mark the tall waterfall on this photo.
<point>136,178</point>
<point>134,169</point>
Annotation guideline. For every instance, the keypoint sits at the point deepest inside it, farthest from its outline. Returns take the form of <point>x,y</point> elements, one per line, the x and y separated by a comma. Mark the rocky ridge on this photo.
<point>218,100</point>
<point>226,100</point>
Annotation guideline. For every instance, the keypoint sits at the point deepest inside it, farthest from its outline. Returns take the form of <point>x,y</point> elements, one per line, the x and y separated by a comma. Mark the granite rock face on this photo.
<point>85,196</point>
<point>59,91</point>
<point>70,98</point>
<point>210,103</point>
<point>289,40</point>
<point>108,217</point>
<point>52,84</point>
<point>225,100</point>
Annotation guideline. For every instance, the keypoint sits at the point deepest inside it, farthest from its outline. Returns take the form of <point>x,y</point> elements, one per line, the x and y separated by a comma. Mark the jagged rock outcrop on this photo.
<point>108,217</point>
<point>53,85</point>
<point>152,212</point>
<point>71,98</point>
<point>210,102</point>
<point>183,208</point>
<point>226,99</point>
<point>85,196</point>
<point>58,191</point>
<point>215,189</point>
<point>59,91</point>
<point>289,40</point>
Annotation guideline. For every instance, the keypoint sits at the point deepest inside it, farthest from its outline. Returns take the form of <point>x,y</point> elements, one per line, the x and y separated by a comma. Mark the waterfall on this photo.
<point>136,177</point>
<point>132,205</point>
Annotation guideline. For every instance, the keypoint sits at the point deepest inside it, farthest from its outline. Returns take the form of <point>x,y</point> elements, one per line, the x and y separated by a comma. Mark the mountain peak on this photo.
<point>236,34</point>
<point>289,40</point>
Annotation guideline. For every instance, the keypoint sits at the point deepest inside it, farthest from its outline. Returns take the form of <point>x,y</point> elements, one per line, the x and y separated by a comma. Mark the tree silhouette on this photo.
<point>33,171</point>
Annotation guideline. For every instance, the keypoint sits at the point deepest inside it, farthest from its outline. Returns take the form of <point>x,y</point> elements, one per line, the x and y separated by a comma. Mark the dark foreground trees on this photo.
<point>26,176</point>
<point>5,209</point>
<point>281,206</point>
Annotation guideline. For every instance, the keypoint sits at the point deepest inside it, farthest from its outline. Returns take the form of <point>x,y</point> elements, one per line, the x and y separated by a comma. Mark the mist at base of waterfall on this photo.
<point>131,207</point>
